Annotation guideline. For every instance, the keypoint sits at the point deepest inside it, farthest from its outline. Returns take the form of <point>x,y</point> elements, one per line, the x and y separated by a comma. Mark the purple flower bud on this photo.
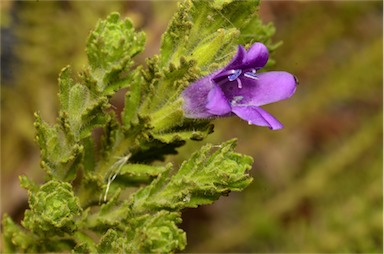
<point>238,89</point>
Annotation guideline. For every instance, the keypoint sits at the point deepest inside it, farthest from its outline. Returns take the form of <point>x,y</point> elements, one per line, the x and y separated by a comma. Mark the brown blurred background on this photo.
<point>317,183</point>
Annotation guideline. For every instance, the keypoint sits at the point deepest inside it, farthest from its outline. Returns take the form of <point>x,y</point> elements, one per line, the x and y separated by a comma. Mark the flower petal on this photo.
<point>195,98</point>
<point>256,56</point>
<point>217,102</point>
<point>257,116</point>
<point>237,60</point>
<point>268,88</point>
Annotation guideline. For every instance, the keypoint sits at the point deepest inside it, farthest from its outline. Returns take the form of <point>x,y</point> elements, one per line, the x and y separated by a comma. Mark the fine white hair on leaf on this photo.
<point>113,173</point>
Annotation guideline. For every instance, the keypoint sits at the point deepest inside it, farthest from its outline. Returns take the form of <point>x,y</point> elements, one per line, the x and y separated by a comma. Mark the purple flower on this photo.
<point>238,89</point>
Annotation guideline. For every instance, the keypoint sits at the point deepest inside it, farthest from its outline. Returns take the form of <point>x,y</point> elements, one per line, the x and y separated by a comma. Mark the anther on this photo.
<point>251,75</point>
<point>235,75</point>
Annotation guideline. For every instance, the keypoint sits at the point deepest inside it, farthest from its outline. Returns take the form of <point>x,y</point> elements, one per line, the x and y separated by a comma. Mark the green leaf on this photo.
<point>112,135</point>
<point>15,239</point>
<point>133,99</point>
<point>177,33</point>
<point>110,214</point>
<point>60,157</point>
<point>85,244</point>
<point>194,130</point>
<point>224,169</point>
<point>208,49</point>
<point>166,83</point>
<point>27,184</point>
<point>155,233</point>
<point>89,158</point>
<point>209,32</point>
<point>202,179</point>
<point>111,242</point>
<point>110,49</point>
<point>53,209</point>
<point>167,128</point>
<point>147,233</point>
<point>131,175</point>
<point>65,84</point>
<point>82,110</point>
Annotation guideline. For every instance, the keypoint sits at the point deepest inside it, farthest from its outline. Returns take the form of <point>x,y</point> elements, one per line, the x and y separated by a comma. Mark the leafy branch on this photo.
<point>104,194</point>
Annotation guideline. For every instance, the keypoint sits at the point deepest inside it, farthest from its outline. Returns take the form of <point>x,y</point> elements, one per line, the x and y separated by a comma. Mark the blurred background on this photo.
<point>317,183</point>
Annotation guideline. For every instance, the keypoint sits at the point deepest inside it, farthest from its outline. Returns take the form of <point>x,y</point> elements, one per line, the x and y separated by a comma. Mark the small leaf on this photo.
<point>137,174</point>
<point>209,32</point>
<point>15,239</point>
<point>133,100</point>
<point>59,156</point>
<point>110,49</point>
<point>166,84</point>
<point>110,215</point>
<point>53,209</point>
<point>27,184</point>
<point>111,242</point>
<point>82,109</point>
<point>190,130</point>
<point>85,244</point>
<point>200,180</point>
<point>65,84</point>
<point>155,233</point>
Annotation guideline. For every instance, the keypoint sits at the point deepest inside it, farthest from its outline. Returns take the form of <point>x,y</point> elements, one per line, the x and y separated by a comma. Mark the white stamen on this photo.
<point>239,85</point>
<point>251,75</point>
